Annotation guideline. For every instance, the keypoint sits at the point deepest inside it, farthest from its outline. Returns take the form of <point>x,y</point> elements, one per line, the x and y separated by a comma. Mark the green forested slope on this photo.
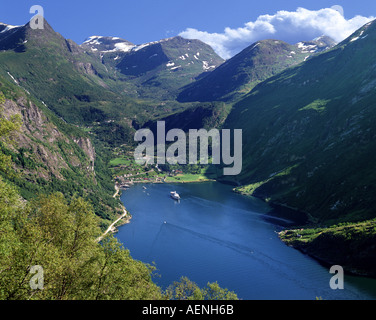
<point>58,121</point>
<point>49,155</point>
<point>309,134</point>
<point>351,245</point>
<point>40,227</point>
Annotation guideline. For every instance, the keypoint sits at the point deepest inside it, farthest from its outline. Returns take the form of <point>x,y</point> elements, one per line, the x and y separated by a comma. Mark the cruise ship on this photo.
<point>175,195</point>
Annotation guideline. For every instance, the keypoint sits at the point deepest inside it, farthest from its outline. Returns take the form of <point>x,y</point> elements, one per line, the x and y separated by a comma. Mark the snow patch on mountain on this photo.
<point>141,46</point>
<point>306,48</point>
<point>7,27</point>
<point>108,44</point>
<point>122,46</point>
<point>93,40</point>
<point>206,67</point>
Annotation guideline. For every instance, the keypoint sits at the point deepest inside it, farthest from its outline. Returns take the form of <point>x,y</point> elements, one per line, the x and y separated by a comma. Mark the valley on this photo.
<point>306,112</point>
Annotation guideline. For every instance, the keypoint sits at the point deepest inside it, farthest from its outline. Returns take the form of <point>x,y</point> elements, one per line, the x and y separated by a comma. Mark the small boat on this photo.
<point>144,187</point>
<point>174,195</point>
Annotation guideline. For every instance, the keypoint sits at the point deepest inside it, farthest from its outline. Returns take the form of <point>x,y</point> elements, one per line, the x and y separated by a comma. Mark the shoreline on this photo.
<point>112,227</point>
<point>332,246</point>
<point>126,213</point>
<point>326,263</point>
<point>299,217</point>
<point>301,221</point>
<point>304,221</point>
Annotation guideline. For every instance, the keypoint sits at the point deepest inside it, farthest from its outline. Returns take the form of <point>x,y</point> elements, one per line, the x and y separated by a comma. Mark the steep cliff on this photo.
<point>50,155</point>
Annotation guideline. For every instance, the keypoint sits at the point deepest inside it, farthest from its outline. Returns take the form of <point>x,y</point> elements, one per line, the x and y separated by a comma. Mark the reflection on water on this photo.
<point>213,234</point>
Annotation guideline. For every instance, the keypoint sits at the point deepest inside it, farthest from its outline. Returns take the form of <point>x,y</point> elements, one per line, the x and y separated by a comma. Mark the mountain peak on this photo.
<point>316,45</point>
<point>172,54</point>
<point>107,44</point>
<point>15,37</point>
<point>252,65</point>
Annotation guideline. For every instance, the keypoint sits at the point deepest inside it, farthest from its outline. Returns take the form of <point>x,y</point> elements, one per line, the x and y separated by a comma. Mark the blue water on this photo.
<point>213,234</point>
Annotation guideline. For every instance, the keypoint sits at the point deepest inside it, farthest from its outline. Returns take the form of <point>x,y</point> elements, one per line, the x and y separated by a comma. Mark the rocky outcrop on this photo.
<point>88,148</point>
<point>87,68</point>
<point>43,144</point>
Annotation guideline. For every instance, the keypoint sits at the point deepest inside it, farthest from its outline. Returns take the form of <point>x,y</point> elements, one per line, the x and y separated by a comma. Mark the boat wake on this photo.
<point>232,245</point>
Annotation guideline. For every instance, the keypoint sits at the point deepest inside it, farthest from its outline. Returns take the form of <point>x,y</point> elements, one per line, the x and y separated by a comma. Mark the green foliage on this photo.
<point>58,232</point>
<point>29,169</point>
<point>120,161</point>
<point>214,292</point>
<point>121,277</point>
<point>58,235</point>
<point>7,128</point>
<point>10,207</point>
<point>186,289</point>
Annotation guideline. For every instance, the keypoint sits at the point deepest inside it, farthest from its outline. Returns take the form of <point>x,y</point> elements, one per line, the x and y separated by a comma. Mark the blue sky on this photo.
<point>150,20</point>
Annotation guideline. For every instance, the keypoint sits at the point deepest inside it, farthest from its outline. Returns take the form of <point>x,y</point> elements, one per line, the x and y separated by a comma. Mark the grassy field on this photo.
<point>120,161</point>
<point>188,177</point>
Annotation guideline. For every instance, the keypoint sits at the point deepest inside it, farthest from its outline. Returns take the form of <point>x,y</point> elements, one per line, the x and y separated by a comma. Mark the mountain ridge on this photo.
<point>161,67</point>
<point>311,126</point>
<point>259,61</point>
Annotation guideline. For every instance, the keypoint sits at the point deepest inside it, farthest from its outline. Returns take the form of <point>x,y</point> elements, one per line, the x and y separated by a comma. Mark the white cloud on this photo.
<point>292,27</point>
